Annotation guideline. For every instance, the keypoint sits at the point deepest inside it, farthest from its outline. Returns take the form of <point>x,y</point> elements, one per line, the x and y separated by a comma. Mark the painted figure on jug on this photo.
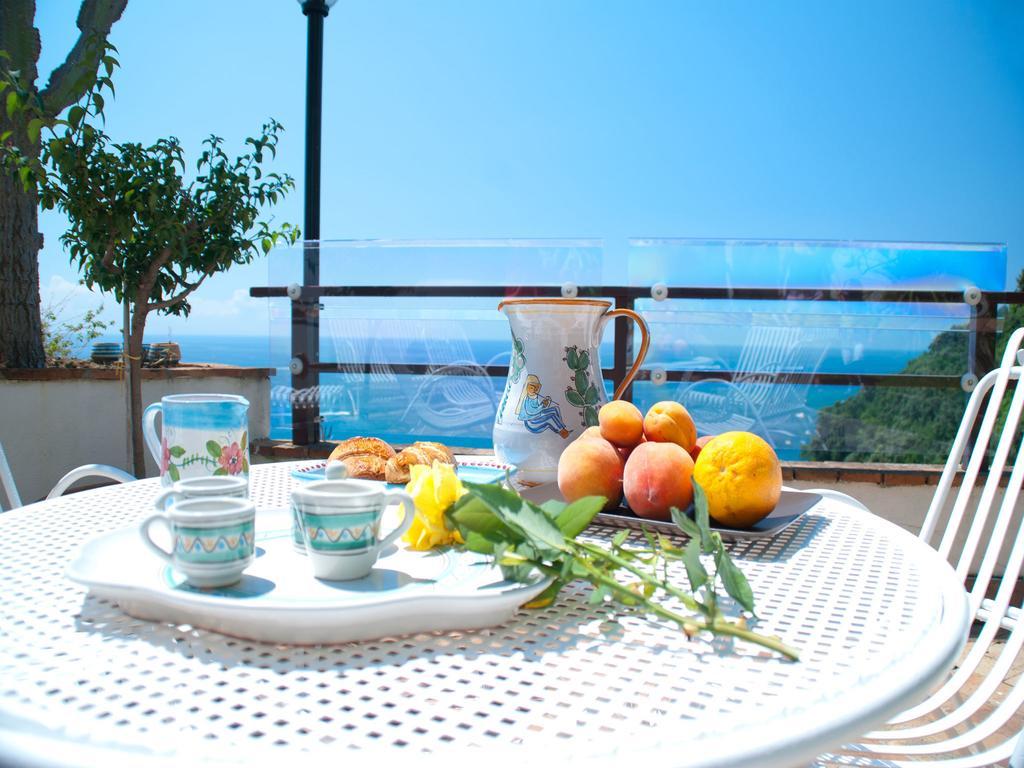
<point>537,412</point>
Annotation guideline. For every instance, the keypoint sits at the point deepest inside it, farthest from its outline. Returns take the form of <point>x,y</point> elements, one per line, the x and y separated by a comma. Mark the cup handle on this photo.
<point>407,516</point>
<point>170,494</point>
<point>645,342</point>
<point>144,532</point>
<point>149,430</point>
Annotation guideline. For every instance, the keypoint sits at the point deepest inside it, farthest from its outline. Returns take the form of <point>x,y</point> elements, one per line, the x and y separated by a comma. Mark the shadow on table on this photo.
<point>530,637</point>
<point>783,546</point>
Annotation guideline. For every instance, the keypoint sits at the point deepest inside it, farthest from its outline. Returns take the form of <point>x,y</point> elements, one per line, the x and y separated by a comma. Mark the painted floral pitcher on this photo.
<point>202,435</point>
<point>554,387</point>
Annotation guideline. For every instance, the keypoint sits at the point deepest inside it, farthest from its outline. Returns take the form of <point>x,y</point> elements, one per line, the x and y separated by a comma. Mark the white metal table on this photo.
<point>878,617</point>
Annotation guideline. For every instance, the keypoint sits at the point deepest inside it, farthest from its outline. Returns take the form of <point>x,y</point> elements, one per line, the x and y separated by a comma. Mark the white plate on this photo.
<point>792,506</point>
<point>279,601</point>
<point>473,469</point>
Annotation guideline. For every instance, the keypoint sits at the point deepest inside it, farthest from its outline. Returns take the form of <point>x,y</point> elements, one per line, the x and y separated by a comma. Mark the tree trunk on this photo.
<point>21,332</point>
<point>135,363</point>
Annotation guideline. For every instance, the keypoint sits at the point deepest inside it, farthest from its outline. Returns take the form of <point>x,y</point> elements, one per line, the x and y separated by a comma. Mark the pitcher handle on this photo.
<point>645,342</point>
<point>149,430</point>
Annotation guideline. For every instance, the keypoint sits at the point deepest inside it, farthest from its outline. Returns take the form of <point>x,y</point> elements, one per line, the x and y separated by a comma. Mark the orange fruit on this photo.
<point>741,478</point>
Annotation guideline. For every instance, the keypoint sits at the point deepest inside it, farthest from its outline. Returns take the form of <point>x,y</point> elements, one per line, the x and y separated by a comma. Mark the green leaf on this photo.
<point>700,514</point>
<point>12,103</point>
<point>220,472</point>
<point>598,595</point>
<point>477,542</point>
<point>75,115</point>
<point>177,451</point>
<point>684,521</point>
<point>521,515</point>
<point>173,473</point>
<point>584,361</point>
<point>471,515</point>
<point>735,582</point>
<point>553,508</point>
<point>590,416</point>
<point>244,442</point>
<point>574,518</point>
<point>590,398</point>
<point>97,100</point>
<point>695,570</point>
<point>33,128</point>
<point>245,465</point>
<point>619,539</point>
<point>574,398</point>
<point>213,448</point>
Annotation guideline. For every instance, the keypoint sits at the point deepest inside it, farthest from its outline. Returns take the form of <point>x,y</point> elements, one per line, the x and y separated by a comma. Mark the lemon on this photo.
<point>741,478</point>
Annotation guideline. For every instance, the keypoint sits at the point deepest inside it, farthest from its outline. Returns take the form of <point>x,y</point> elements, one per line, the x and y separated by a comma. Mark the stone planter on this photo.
<point>55,419</point>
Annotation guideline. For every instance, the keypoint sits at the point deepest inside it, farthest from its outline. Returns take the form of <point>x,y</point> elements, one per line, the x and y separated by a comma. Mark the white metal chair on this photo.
<point>72,477</point>
<point>964,723</point>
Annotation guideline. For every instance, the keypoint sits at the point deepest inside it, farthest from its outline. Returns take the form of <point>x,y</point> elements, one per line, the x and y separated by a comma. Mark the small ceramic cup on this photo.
<point>202,488</point>
<point>340,522</point>
<point>212,539</point>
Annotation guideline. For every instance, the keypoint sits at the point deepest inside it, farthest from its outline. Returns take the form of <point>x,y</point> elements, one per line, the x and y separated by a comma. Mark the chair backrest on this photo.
<point>977,529</point>
<point>980,524</point>
<point>7,481</point>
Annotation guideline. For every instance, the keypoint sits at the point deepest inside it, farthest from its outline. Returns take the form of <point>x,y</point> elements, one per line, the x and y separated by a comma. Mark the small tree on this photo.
<point>139,229</point>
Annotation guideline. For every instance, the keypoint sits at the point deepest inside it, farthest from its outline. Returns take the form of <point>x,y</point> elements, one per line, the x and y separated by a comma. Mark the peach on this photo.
<point>658,476</point>
<point>590,432</point>
<point>621,423</point>
<point>669,422</point>
<point>699,445</point>
<point>590,466</point>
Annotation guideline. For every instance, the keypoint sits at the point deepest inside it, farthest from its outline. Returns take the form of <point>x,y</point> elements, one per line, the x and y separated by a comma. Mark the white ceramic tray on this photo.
<point>792,506</point>
<point>278,600</point>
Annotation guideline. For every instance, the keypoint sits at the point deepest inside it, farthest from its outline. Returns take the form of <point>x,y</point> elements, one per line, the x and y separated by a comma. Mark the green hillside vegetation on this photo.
<point>905,424</point>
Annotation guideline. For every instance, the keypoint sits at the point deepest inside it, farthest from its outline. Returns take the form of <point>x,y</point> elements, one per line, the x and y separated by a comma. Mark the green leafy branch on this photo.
<point>525,539</point>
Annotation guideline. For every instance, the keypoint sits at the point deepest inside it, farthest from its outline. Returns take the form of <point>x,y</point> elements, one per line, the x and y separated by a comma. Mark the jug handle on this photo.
<point>645,342</point>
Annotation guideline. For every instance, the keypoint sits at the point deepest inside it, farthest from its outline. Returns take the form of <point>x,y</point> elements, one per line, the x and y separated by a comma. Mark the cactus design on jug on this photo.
<point>584,393</point>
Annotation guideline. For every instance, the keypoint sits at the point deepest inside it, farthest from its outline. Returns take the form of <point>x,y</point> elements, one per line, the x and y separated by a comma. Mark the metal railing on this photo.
<point>306,366</point>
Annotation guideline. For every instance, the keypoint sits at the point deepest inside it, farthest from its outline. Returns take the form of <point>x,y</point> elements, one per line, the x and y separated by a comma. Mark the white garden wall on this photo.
<point>56,419</point>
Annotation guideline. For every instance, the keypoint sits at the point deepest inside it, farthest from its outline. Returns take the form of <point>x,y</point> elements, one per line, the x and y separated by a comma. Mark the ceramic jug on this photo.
<point>554,387</point>
<point>201,436</point>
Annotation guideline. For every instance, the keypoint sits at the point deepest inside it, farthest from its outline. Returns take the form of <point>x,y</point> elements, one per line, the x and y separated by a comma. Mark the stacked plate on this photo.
<point>106,352</point>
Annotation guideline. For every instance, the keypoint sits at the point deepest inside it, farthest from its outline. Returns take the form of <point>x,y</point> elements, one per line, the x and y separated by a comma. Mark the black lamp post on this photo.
<point>305,310</point>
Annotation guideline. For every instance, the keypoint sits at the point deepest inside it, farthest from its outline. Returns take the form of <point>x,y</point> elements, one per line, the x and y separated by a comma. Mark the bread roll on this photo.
<point>364,458</point>
<point>397,469</point>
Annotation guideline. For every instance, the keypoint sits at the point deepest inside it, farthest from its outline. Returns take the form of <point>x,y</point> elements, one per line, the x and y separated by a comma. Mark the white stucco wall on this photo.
<point>50,427</point>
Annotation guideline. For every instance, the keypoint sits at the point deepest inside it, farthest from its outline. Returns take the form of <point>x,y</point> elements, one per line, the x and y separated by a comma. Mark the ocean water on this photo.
<point>399,407</point>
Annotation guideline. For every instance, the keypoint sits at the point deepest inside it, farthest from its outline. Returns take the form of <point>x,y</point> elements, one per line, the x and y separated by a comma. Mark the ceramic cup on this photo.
<point>201,436</point>
<point>202,488</point>
<point>212,539</point>
<point>340,522</point>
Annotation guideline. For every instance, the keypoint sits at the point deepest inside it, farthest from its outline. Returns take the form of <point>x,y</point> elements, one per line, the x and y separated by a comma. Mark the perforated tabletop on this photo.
<point>877,616</point>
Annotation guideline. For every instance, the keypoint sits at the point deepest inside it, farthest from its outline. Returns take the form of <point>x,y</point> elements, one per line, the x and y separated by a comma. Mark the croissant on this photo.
<point>397,469</point>
<point>363,457</point>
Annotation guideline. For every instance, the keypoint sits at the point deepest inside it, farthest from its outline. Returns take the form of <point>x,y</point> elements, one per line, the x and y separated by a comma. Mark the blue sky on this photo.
<point>578,118</point>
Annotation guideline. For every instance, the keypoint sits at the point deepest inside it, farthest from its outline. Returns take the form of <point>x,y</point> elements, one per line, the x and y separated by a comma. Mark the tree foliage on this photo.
<point>20,240</point>
<point>140,228</point>
<point>905,424</point>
